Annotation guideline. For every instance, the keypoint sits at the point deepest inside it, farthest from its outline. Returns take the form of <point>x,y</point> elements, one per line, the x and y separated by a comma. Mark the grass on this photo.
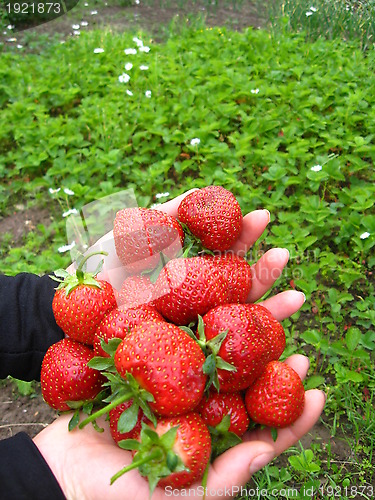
<point>330,19</point>
<point>285,122</point>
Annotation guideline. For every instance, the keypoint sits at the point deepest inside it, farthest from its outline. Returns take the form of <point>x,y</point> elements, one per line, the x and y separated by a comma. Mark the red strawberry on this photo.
<point>80,302</point>
<point>136,291</point>
<point>140,234</point>
<point>120,428</point>
<point>189,287</point>
<point>277,397</point>
<point>214,408</point>
<point>118,322</point>
<point>66,377</point>
<point>254,338</point>
<point>166,362</point>
<point>175,454</point>
<point>237,273</point>
<point>213,215</point>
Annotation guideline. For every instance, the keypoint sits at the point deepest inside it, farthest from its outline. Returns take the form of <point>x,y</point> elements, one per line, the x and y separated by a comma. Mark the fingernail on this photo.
<point>269,214</point>
<point>260,461</point>
<point>304,297</point>
<point>287,252</point>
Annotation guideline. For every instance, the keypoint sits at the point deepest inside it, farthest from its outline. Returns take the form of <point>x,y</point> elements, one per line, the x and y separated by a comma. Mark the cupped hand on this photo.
<point>83,461</point>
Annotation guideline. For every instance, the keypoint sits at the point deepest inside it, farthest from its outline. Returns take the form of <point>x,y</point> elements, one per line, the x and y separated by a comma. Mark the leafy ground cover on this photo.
<point>285,122</point>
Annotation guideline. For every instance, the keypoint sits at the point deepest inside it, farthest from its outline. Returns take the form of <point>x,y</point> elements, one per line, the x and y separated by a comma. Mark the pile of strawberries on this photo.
<point>178,361</point>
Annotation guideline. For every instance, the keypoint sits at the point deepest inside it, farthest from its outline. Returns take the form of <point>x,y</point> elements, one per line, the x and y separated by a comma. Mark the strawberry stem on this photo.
<point>156,454</point>
<point>104,410</point>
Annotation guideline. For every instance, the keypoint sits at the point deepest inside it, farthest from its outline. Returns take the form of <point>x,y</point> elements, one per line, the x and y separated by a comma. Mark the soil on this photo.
<point>29,413</point>
<point>153,17</point>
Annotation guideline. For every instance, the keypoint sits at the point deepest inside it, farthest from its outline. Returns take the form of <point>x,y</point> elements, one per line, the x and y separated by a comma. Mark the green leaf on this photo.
<point>74,421</point>
<point>273,433</point>
<point>352,338</point>
<point>128,419</point>
<point>129,444</point>
<point>100,363</point>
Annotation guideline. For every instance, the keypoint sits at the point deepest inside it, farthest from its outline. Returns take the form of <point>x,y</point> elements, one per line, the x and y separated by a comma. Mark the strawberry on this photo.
<point>212,215</point>
<point>121,421</point>
<point>226,418</point>
<point>65,377</point>
<point>237,273</point>
<point>217,405</point>
<point>189,287</point>
<point>166,362</point>
<point>277,397</point>
<point>175,453</point>
<point>118,322</point>
<point>140,234</point>
<point>253,339</point>
<point>81,301</point>
<point>136,291</point>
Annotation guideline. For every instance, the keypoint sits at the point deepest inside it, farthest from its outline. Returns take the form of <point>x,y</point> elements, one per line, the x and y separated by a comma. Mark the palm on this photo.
<point>91,458</point>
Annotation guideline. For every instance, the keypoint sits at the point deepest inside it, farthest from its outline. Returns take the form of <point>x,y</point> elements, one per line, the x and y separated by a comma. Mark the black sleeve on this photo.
<point>24,474</point>
<point>27,324</point>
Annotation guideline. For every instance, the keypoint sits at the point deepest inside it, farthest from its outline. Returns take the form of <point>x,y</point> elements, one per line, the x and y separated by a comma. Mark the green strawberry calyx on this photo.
<point>121,390</point>
<point>154,457</point>
<point>210,349</point>
<point>69,282</point>
<point>222,438</point>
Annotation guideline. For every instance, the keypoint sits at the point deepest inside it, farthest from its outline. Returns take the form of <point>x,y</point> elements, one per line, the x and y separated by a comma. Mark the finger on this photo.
<point>235,466</point>
<point>171,207</point>
<point>299,363</point>
<point>284,304</point>
<point>253,226</point>
<point>266,271</point>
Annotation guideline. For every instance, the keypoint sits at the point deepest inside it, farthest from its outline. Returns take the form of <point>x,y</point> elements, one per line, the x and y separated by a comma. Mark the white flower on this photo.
<point>93,12</point>
<point>309,13</point>
<point>68,191</point>
<point>129,52</point>
<point>76,32</point>
<point>10,27</point>
<point>137,2</point>
<point>254,91</point>
<point>66,248</point>
<point>316,168</point>
<point>143,67</point>
<point>195,141</point>
<point>138,42</point>
<point>129,92</point>
<point>128,66</point>
<point>75,26</point>
<point>148,93</point>
<point>98,50</point>
<point>161,195</point>
<point>54,191</point>
<point>19,46</point>
<point>364,235</point>
<point>84,23</point>
<point>144,48</point>
<point>86,4</point>
<point>124,78</point>
<point>12,40</point>
<point>313,9</point>
<point>71,211</point>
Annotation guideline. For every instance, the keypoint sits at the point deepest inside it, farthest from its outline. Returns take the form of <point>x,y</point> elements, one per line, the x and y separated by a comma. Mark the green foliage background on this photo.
<point>269,110</point>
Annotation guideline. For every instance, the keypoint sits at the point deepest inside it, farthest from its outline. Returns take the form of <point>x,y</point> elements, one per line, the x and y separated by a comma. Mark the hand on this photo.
<point>83,461</point>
